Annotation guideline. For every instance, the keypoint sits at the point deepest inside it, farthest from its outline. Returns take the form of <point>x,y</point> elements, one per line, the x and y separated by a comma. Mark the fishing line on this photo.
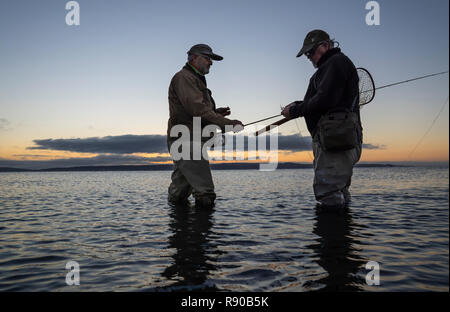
<point>429,129</point>
<point>367,93</point>
<point>361,91</point>
<point>301,137</point>
<point>404,81</point>
<point>408,80</point>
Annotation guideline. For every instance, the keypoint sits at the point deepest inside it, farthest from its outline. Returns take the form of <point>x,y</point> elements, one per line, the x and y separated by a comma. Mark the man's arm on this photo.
<point>329,91</point>
<point>193,101</point>
<point>224,111</point>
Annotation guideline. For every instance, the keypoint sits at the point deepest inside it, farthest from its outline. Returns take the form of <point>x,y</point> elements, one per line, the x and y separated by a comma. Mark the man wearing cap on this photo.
<point>189,97</point>
<point>333,87</point>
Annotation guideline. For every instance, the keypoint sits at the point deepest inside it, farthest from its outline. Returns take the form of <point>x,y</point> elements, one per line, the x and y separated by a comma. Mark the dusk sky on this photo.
<point>97,93</point>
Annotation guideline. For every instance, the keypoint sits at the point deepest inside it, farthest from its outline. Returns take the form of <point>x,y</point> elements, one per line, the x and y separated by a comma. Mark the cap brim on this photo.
<point>305,49</point>
<point>213,56</point>
<point>216,57</point>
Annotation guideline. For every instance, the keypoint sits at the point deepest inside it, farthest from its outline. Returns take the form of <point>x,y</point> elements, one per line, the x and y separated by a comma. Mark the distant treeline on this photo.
<point>221,166</point>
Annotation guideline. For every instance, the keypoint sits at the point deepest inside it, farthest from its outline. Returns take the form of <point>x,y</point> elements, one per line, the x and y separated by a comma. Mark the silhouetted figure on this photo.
<point>336,251</point>
<point>331,111</point>
<point>189,97</point>
<point>193,260</point>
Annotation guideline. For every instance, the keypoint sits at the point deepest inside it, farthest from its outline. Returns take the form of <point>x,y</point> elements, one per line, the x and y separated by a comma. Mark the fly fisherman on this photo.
<point>189,97</point>
<point>331,112</point>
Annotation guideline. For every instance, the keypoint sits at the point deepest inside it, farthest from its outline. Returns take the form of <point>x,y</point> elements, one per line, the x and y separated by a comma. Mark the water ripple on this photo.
<point>260,236</point>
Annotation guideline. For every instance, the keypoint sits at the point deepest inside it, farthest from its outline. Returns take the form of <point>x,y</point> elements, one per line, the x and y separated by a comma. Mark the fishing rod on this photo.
<point>396,83</point>
<point>262,120</point>
<point>405,81</point>
<point>366,91</point>
<point>273,125</point>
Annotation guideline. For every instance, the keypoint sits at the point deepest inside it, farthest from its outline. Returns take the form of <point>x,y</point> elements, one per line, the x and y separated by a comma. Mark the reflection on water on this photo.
<point>336,251</point>
<point>194,255</point>
<point>263,235</point>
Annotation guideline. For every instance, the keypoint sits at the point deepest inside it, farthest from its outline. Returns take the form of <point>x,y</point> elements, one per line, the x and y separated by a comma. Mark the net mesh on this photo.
<point>366,87</point>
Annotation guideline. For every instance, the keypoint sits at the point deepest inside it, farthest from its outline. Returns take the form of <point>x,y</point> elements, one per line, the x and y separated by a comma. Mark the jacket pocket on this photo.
<point>338,131</point>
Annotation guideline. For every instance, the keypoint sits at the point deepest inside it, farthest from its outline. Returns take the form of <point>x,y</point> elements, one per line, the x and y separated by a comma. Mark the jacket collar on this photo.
<point>188,67</point>
<point>327,56</point>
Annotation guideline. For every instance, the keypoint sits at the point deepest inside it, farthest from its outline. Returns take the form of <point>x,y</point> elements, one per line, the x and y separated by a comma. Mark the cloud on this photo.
<point>291,143</point>
<point>123,144</point>
<point>4,124</point>
<point>100,160</point>
<point>371,146</point>
<point>130,144</point>
<point>31,156</point>
<point>115,150</point>
<point>294,143</point>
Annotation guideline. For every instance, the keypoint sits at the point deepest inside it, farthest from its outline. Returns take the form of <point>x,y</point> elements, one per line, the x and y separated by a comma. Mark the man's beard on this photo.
<point>205,70</point>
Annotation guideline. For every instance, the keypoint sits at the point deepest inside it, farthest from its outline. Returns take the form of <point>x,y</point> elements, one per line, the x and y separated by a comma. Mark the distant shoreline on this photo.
<point>167,167</point>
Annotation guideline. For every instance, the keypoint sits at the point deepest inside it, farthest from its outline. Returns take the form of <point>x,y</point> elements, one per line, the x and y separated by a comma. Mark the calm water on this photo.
<point>263,235</point>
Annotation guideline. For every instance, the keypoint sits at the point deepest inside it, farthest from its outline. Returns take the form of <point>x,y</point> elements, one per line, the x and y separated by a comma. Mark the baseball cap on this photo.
<point>204,49</point>
<point>312,38</point>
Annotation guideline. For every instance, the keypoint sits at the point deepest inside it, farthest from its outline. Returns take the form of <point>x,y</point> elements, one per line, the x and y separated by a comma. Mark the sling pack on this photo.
<point>338,131</point>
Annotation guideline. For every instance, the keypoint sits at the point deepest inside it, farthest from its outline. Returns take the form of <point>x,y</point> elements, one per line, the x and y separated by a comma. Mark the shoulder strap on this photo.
<point>352,109</point>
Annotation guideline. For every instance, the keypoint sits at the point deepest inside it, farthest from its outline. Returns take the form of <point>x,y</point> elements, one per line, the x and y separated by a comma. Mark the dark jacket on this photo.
<point>334,86</point>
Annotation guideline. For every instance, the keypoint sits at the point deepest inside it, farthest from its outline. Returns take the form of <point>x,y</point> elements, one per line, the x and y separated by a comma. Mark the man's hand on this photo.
<point>286,110</point>
<point>235,122</point>
<point>237,125</point>
<point>224,111</point>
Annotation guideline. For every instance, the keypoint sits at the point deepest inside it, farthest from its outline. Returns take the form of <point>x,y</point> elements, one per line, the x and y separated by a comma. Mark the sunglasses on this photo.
<point>311,51</point>
<point>206,57</point>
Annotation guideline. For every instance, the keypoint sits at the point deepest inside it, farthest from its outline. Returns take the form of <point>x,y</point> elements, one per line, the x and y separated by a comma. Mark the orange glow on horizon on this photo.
<point>427,153</point>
